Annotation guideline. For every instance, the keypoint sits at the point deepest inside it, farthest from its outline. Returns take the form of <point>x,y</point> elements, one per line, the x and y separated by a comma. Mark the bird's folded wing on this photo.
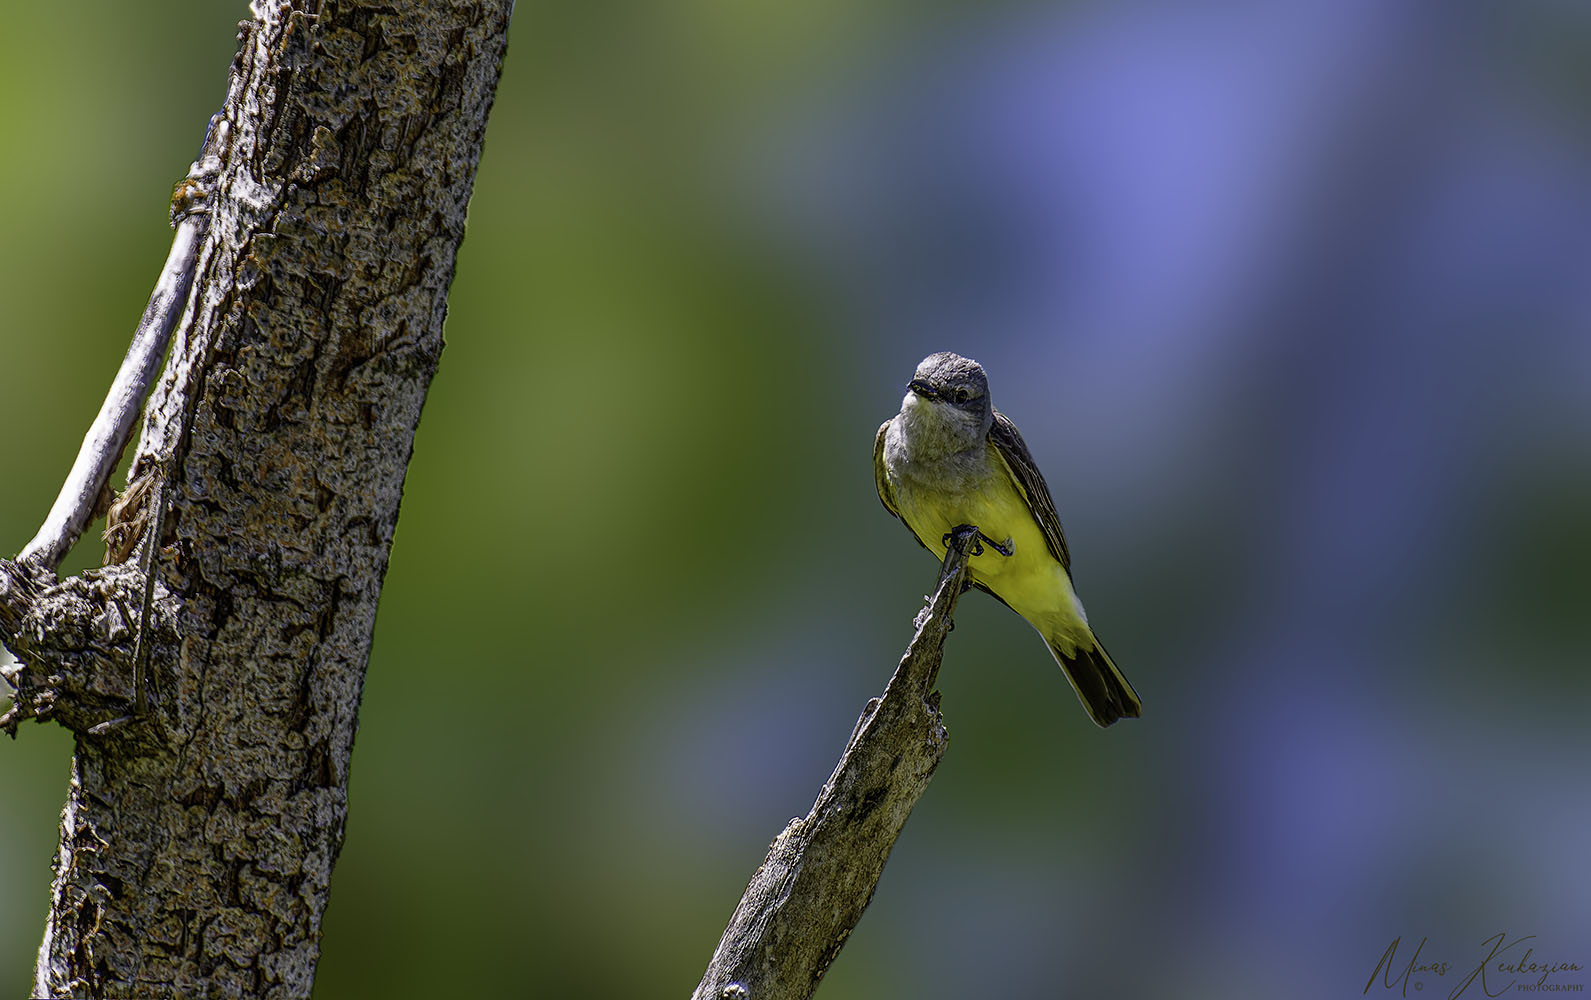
<point>886,493</point>
<point>1025,472</point>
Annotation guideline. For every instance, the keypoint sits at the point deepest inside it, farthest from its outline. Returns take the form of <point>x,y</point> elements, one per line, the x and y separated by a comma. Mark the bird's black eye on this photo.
<point>962,394</point>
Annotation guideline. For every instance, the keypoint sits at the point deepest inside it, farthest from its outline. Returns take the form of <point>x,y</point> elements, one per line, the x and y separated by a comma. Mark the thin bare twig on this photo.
<point>113,426</point>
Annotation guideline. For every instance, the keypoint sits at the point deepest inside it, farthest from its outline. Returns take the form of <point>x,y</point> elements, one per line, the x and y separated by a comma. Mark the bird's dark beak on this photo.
<point>922,389</point>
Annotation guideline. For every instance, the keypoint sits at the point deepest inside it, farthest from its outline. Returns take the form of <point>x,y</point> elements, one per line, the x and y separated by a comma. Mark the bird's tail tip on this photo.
<point>1100,685</point>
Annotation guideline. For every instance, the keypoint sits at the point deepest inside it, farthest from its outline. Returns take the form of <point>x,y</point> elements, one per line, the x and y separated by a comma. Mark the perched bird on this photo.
<point>949,459</point>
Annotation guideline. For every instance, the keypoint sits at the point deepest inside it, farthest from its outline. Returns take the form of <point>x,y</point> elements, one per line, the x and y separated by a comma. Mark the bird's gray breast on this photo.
<point>925,456</point>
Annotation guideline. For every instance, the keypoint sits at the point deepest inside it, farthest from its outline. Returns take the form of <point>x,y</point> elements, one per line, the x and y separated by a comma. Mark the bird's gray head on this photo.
<point>954,391</point>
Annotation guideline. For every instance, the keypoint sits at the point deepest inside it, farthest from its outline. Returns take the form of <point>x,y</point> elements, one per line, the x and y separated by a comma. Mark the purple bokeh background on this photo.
<point>1293,299</point>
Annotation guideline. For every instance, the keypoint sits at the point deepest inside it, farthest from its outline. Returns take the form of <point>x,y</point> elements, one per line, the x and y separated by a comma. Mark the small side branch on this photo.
<point>102,446</point>
<point>820,873</point>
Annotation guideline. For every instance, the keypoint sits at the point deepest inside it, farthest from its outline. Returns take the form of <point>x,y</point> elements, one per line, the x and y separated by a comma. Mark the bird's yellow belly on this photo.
<point>1031,580</point>
<point>999,515</point>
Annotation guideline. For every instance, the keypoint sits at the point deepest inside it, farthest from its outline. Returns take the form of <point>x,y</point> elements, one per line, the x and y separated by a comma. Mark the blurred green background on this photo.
<point>1290,301</point>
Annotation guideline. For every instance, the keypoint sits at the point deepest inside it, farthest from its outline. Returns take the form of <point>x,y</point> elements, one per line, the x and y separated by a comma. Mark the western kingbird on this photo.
<point>949,459</point>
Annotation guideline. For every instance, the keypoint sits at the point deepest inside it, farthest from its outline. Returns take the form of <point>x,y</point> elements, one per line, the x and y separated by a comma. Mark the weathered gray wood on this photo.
<point>197,844</point>
<point>75,505</point>
<point>821,871</point>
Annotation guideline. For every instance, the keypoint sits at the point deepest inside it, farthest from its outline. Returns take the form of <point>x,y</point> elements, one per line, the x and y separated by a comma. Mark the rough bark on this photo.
<point>820,873</point>
<point>197,843</point>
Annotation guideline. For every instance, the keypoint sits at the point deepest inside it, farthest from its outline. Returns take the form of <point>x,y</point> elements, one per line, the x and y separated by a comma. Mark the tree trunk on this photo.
<point>197,842</point>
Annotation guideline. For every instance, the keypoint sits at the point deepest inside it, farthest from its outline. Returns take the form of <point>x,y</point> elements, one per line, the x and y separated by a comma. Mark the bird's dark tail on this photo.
<point>1098,683</point>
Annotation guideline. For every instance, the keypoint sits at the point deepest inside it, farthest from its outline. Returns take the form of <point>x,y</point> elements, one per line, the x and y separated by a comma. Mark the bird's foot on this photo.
<point>960,532</point>
<point>1006,548</point>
